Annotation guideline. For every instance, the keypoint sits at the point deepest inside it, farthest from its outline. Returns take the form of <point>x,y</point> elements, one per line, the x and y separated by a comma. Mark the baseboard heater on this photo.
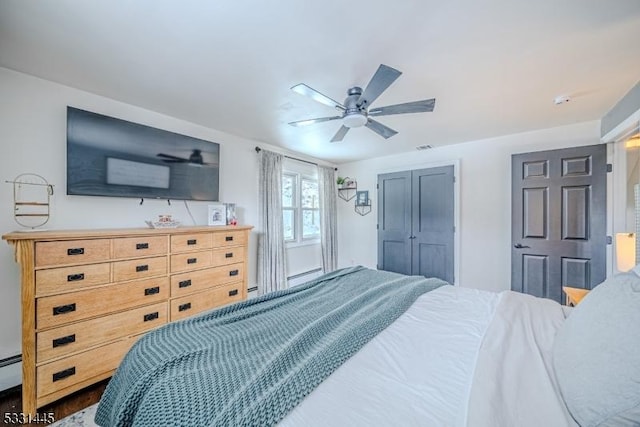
<point>10,372</point>
<point>300,278</point>
<point>10,360</point>
<point>297,279</point>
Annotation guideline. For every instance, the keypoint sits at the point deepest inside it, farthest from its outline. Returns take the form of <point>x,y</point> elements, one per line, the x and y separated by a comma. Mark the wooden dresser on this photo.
<point>88,295</point>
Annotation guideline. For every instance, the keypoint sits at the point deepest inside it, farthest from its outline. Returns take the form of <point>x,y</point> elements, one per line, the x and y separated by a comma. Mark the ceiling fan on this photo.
<point>195,159</point>
<point>355,110</point>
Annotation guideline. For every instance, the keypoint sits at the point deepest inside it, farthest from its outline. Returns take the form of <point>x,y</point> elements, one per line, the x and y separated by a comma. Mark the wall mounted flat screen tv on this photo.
<point>113,157</point>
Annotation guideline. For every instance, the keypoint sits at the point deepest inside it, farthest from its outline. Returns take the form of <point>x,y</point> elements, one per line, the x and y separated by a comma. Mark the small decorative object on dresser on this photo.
<point>217,214</point>
<point>164,221</point>
<point>231,214</point>
<point>88,295</point>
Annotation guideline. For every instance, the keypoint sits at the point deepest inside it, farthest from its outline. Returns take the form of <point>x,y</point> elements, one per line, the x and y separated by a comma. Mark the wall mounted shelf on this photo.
<point>363,209</point>
<point>31,199</point>
<point>347,193</point>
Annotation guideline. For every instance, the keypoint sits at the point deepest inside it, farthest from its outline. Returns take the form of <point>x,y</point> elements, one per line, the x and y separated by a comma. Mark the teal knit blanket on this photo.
<point>250,363</point>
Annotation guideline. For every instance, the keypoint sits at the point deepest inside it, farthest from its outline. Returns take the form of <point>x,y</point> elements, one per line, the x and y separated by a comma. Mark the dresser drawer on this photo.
<point>196,303</point>
<point>61,309</point>
<point>224,256</point>
<point>139,268</point>
<point>72,252</point>
<point>229,238</point>
<point>190,261</point>
<point>196,281</point>
<point>190,242</point>
<point>72,370</point>
<point>63,279</point>
<point>88,333</point>
<point>131,247</point>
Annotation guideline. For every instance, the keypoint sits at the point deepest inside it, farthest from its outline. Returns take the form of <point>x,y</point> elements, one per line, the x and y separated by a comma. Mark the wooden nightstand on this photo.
<point>574,295</point>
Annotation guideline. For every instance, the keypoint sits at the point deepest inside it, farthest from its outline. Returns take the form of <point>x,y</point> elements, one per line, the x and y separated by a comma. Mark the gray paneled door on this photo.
<point>558,220</point>
<point>416,222</point>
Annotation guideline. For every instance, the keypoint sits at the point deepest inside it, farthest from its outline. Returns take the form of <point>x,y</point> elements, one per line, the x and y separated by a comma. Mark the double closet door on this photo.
<point>416,222</point>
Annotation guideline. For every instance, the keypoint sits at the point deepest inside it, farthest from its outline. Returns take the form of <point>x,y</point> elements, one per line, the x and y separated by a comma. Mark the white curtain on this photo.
<point>271,257</point>
<point>328,218</point>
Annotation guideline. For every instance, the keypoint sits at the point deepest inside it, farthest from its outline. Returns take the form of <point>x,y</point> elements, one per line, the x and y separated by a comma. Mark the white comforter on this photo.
<point>457,357</point>
<point>514,382</point>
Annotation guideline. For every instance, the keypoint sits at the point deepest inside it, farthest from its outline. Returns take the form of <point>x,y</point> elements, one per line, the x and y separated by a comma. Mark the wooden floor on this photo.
<point>11,402</point>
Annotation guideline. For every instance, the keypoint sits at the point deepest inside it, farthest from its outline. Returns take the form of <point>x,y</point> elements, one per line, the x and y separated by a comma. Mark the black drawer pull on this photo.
<point>151,291</point>
<point>142,246</point>
<point>229,238</point>
<point>64,374</point>
<point>192,260</point>
<point>75,251</point>
<point>184,307</point>
<point>184,283</point>
<point>228,255</point>
<point>61,309</point>
<point>151,316</point>
<point>233,292</point>
<point>75,277</point>
<point>233,273</point>
<point>140,268</point>
<point>192,242</point>
<point>64,340</point>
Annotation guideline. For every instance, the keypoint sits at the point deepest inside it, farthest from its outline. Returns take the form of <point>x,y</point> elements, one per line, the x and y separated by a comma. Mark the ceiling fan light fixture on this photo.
<point>354,120</point>
<point>355,110</point>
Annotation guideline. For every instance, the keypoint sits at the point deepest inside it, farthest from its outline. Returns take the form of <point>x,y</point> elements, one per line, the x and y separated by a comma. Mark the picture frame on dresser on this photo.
<point>231,214</point>
<point>78,289</point>
<point>217,214</point>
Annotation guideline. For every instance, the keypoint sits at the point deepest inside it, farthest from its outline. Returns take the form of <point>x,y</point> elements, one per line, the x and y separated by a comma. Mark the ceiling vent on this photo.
<point>424,147</point>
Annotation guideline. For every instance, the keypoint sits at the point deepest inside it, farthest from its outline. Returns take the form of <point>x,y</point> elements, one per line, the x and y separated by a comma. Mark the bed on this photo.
<point>438,355</point>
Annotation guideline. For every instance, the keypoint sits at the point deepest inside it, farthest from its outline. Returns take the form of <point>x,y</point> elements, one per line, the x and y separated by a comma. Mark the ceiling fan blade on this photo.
<point>313,121</point>
<point>305,90</point>
<point>380,81</point>
<point>174,158</point>
<point>380,129</point>
<point>423,106</point>
<point>339,136</point>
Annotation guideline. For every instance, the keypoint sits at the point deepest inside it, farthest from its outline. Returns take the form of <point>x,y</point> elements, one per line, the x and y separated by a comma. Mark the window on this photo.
<point>300,207</point>
<point>310,204</point>
<point>289,206</point>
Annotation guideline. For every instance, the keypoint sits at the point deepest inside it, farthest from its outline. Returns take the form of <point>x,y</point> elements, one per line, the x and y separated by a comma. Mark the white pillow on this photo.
<point>596,355</point>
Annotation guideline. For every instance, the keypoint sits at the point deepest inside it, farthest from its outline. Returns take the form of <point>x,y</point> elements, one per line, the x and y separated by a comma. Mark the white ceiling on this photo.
<point>494,66</point>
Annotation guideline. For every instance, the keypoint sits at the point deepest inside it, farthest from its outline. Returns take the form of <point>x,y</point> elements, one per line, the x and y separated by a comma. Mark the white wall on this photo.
<point>485,199</point>
<point>33,138</point>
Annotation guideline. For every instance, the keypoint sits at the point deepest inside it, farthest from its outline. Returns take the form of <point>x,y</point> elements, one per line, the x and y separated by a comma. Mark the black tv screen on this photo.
<point>113,157</point>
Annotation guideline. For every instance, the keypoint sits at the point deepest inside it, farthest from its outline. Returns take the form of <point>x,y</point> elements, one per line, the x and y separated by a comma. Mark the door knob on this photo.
<point>519,246</point>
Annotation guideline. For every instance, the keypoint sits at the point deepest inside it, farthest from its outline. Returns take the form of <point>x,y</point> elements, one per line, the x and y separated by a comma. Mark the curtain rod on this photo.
<point>258,149</point>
